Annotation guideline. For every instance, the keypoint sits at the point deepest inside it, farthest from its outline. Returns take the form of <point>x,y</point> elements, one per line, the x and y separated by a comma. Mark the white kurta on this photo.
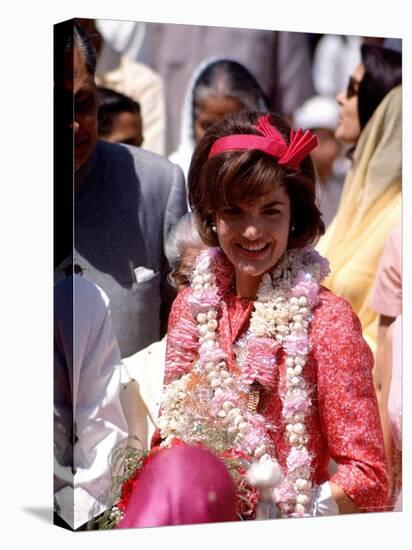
<point>88,416</point>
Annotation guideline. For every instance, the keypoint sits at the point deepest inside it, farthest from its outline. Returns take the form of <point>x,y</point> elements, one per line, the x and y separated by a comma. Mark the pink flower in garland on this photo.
<point>222,268</point>
<point>258,421</point>
<point>212,354</point>
<point>254,437</point>
<point>203,301</point>
<point>304,285</point>
<point>182,353</point>
<point>323,263</point>
<point>296,345</point>
<point>298,458</point>
<point>260,362</point>
<point>218,400</point>
<point>298,404</point>
<point>284,492</point>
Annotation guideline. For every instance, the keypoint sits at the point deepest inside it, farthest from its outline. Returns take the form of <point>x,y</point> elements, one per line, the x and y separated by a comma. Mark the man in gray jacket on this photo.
<point>125,201</point>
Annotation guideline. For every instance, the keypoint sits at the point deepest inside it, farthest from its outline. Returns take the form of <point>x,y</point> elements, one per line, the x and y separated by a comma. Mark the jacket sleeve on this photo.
<point>348,407</point>
<point>176,207</point>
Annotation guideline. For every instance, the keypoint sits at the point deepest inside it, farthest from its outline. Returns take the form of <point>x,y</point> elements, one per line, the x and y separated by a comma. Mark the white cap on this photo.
<point>320,111</point>
<point>124,37</point>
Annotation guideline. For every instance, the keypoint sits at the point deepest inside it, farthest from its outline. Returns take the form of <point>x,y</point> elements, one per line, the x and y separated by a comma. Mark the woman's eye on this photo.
<point>272,212</point>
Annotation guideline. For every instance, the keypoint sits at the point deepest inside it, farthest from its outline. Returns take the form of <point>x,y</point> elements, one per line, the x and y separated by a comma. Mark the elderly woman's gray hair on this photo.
<point>183,238</point>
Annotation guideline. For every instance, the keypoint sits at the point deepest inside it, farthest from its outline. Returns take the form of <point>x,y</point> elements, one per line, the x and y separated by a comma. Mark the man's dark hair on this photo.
<point>112,103</point>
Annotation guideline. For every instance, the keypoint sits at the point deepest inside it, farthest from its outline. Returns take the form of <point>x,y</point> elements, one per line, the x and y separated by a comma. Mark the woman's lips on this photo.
<point>252,250</point>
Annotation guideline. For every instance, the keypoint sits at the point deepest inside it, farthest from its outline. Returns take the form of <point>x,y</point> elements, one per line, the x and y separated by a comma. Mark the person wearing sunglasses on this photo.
<point>379,71</point>
<point>370,123</point>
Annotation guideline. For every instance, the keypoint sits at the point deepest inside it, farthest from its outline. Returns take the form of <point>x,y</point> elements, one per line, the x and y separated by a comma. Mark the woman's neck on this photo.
<point>246,285</point>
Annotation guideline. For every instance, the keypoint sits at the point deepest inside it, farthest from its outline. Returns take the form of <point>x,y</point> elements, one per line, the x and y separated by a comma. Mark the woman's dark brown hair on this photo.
<point>233,177</point>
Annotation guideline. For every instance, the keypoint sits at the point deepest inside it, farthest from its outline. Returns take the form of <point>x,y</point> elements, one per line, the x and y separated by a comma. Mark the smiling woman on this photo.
<point>260,355</point>
<point>254,236</point>
<point>225,174</point>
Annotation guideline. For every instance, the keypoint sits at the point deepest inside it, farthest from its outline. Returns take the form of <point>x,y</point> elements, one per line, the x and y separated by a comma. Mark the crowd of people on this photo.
<point>228,317</point>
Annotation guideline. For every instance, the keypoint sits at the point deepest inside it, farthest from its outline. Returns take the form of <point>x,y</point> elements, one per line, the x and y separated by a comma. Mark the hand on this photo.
<point>345,504</point>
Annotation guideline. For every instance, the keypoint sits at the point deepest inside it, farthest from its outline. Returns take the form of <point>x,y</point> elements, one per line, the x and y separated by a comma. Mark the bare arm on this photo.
<point>345,504</point>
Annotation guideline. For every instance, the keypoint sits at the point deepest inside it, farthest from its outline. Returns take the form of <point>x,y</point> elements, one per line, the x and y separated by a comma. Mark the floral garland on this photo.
<point>205,402</point>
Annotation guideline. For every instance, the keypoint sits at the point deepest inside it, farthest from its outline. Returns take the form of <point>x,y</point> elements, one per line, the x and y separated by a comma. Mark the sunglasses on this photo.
<point>353,87</point>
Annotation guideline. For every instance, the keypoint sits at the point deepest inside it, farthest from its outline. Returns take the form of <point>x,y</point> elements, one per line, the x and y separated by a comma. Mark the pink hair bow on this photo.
<point>300,144</point>
<point>271,142</point>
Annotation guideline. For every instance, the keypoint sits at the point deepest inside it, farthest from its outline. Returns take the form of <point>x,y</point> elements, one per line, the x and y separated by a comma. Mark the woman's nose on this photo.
<point>252,230</point>
<point>340,98</point>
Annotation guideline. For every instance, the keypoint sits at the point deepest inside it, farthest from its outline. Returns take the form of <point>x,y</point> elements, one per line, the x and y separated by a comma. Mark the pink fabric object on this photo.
<point>386,297</point>
<point>182,485</point>
<point>271,142</point>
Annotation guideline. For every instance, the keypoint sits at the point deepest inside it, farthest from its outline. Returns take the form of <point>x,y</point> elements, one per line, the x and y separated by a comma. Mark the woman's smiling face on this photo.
<point>254,235</point>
